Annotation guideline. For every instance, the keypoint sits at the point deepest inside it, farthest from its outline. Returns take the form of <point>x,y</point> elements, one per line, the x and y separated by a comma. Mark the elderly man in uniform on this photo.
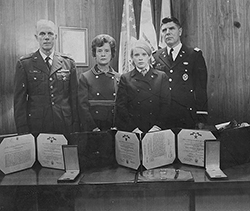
<point>45,87</point>
<point>97,87</point>
<point>187,73</point>
<point>143,95</point>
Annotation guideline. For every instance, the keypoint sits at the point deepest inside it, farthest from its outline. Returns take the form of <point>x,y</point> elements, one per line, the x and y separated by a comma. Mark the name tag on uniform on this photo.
<point>35,71</point>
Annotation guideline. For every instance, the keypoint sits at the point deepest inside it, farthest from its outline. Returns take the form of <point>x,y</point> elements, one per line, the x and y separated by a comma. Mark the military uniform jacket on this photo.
<point>96,93</point>
<point>45,100</point>
<point>142,101</point>
<point>188,84</point>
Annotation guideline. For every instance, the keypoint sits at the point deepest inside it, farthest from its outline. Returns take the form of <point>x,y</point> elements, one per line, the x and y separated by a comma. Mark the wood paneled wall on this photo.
<point>17,25</point>
<point>221,28</point>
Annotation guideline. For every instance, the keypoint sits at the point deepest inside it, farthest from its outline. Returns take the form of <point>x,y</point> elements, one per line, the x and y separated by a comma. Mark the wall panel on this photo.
<point>220,28</point>
<point>18,19</point>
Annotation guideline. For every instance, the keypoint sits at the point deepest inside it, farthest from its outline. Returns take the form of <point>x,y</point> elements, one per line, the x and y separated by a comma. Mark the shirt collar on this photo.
<point>146,69</point>
<point>97,71</point>
<point>176,49</point>
<point>44,56</point>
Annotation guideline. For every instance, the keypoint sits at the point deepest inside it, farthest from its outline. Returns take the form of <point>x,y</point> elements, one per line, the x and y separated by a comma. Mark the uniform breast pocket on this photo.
<point>36,83</point>
<point>63,78</point>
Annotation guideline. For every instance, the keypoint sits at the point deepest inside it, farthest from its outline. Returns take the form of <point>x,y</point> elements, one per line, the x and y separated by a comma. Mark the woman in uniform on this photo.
<point>143,96</point>
<point>97,87</point>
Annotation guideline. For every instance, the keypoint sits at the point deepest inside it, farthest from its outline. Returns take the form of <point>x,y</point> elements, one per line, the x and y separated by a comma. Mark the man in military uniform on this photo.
<point>187,73</point>
<point>97,87</point>
<point>45,87</point>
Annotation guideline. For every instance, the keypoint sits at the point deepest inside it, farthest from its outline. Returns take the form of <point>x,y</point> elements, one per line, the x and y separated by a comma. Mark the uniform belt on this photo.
<point>102,102</point>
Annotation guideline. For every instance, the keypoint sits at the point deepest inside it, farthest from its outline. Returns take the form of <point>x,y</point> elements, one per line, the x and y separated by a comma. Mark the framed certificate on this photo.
<point>73,41</point>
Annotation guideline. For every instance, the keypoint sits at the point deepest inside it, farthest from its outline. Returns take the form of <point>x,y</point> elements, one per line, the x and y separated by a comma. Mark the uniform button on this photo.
<point>138,90</point>
<point>97,93</point>
<point>170,79</point>
<point>191,90</point>
<point>34,78</point>
<point>150,101</point>
<point>114,93</point>
<point>51,79</point>
<point>150,113</point>
<point>186,70</point>
<point>138,103</point>
<point>51,87</point>
<point>190,109</point>
<point>171,71</point>
<point>53,103</point>
<point>96,76</point>
<point>52,95</point>
<point>170,88</point>
<point>149,89</point>
<point>112,77</point>
<point>96,112</point>
<point>29,114</point>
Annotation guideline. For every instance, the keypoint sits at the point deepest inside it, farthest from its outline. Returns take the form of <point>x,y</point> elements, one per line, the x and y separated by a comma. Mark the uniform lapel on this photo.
<point>38,62</point>
<point>151,75</point>
<point>56,64</point>
<point>164,57</point>
<point>183,53</point>
<point>136,75</point>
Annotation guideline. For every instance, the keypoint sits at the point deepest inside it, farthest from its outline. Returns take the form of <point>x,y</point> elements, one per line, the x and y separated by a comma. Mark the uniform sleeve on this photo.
<point>20,99</point>
<point>87,122</point>
<point>74,97</point>
<point>123,120</point>
<point>201,87</point>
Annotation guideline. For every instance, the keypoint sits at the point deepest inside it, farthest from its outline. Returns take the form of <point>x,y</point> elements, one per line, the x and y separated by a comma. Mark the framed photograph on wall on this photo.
<point>73,41</point>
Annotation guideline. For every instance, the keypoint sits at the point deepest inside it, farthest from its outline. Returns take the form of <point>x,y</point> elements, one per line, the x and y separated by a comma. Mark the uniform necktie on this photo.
<point>143,72</point>
<point>47,62</point>
<point>171,55</point>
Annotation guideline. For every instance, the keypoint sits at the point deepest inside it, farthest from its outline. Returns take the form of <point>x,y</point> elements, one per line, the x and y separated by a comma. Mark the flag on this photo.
<point>165,12</point>
<point>147,29</point>
<point>127,36</point>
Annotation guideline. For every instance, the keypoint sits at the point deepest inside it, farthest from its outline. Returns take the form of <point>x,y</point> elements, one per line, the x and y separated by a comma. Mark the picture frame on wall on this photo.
<point>73,41</point>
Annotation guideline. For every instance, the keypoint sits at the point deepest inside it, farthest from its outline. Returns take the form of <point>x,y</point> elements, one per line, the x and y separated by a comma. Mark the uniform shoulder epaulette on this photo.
<point>66,56</point>
<point>197,49</point>
<point>28,56</point>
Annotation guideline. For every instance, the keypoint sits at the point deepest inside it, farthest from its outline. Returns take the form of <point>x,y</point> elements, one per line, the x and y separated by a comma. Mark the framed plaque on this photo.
<point>73,41</point>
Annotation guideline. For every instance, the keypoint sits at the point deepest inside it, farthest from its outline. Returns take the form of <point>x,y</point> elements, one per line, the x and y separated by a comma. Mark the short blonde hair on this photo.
<point>141,44</point>
<point>44,22</point>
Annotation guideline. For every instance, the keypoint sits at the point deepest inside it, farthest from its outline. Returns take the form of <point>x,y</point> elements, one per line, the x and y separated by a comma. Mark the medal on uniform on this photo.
<point>64,76</point>
<point>185,76</point>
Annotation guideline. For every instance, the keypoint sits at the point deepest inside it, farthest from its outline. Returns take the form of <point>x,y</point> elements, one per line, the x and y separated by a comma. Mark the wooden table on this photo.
<point>113,189</point>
